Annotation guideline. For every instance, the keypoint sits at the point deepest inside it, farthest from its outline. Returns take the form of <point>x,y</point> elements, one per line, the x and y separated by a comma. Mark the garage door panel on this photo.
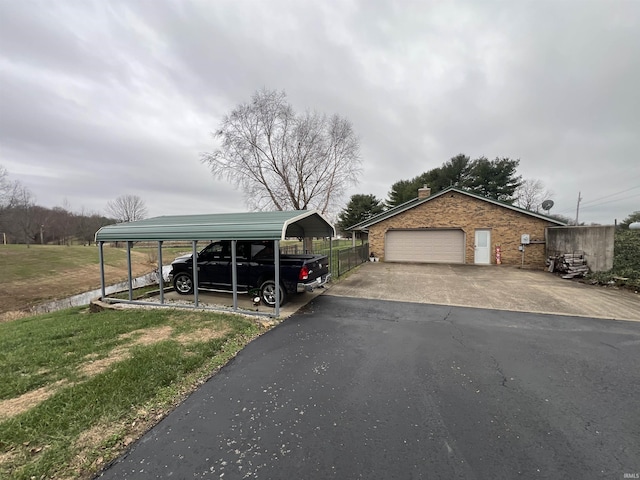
<point>426,246</point>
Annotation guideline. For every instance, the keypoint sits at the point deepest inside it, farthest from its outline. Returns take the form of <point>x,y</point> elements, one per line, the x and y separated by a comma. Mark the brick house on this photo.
<point>456,226</point>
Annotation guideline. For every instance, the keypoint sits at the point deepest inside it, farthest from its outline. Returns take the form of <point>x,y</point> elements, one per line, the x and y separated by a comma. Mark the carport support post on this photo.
<point>194,260</point>
<point>129,270</point>
<point>234,274</point>
<point>276,251</point>
<point>353,238</point>
<point>330,256</point>
<point>160,279</point>
<point>101,255</point>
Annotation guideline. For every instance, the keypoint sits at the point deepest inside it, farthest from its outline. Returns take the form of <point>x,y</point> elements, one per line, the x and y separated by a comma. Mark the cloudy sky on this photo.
<point>104,98</point>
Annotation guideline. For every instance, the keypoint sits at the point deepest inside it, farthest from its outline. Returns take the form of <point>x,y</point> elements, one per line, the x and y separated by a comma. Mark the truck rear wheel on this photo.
<point>268,293</point>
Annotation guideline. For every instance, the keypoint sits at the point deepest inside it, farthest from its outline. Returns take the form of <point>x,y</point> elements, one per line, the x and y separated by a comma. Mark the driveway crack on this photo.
<point>458,334</point>
<point>498,368</point>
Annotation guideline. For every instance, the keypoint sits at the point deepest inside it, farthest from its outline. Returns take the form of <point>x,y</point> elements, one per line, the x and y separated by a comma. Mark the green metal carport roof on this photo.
<point>223,226</point>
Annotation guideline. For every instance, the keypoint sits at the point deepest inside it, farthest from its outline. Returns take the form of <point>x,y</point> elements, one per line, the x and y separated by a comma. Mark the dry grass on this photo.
<point>15,406</point>
<point>19,294</point>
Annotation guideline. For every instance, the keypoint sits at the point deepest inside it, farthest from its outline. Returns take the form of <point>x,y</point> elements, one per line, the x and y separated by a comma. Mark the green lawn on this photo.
<point>149,359</point>
<point>77,387</point>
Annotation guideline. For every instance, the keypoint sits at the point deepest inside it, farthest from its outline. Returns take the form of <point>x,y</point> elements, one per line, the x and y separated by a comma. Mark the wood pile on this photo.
<point>571,264</point>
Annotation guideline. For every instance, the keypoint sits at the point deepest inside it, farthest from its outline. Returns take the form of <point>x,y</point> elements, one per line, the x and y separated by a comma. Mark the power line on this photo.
<point>610,201</point>
<point>611,195</point>
<point>589,203</point>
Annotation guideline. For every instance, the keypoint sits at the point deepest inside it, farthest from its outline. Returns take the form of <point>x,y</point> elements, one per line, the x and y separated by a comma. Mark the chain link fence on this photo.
<point>343,258</point>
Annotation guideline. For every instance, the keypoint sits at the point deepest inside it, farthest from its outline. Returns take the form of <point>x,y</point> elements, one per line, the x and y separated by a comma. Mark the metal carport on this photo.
<point>274,226</point>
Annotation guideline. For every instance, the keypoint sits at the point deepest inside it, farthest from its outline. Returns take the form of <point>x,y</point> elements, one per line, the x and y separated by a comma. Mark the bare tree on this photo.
<point>531,193</point>
<point>283,160</point>
<point>8,189</point>
<point>24,213</point>
<point>10,195</point>
<point>127,208</point>
<point>4,181</point>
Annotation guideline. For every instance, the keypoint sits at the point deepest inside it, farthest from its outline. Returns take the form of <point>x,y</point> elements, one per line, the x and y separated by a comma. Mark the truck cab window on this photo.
<point>261,250</point>
<point>241,251</point>
<point>213,251</point>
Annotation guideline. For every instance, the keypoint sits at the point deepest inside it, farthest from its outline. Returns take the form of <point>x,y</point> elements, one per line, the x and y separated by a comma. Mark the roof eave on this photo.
<point>266,226</point>
<point>419,201</point>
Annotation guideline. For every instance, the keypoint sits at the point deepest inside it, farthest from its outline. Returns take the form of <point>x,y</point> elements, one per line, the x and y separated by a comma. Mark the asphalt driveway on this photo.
<point>493,287</point>
<point>351,388</point>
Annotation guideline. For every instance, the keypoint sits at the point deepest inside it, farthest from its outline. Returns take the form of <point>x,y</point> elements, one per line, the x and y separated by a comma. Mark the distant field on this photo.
<point>47,272</point>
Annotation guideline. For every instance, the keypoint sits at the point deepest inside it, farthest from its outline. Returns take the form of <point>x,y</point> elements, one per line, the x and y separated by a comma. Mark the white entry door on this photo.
<point>483,247</point>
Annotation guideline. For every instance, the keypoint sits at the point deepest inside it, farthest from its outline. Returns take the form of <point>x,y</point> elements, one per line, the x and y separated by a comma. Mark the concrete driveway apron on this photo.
<point>493,287</point>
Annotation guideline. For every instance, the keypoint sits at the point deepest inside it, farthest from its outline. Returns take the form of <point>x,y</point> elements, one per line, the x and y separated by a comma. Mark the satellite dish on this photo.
<point>547,204</point>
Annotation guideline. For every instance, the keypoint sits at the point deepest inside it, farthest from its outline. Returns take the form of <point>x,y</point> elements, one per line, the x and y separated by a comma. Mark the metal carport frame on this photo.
<point>274,226</point>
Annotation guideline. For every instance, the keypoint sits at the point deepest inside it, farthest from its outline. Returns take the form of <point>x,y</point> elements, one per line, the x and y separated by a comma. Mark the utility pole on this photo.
<point>578,208</point>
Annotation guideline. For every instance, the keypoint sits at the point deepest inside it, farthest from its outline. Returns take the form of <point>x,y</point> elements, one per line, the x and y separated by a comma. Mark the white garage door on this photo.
<point>427,246</point>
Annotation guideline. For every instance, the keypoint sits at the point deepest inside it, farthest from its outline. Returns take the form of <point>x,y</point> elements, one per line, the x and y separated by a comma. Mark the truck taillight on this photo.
<point>304,273</point>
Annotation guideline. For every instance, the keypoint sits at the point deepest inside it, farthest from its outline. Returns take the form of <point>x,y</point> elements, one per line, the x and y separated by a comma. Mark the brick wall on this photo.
<point>456,210</point>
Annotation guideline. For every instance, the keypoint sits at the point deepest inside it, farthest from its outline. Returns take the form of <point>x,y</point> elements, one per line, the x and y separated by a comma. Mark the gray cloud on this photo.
<point>99,99</point>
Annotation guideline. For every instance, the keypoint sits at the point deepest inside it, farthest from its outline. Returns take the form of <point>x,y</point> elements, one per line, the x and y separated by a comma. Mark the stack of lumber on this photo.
<point>571,264</point>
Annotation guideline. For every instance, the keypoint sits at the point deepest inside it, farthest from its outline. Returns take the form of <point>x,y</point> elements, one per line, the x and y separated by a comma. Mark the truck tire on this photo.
<point>183,284</point>
<point>268,293</point>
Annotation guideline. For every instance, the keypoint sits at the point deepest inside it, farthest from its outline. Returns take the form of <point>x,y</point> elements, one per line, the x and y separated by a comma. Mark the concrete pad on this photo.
<point>492,287</point>
<point>245,302</point>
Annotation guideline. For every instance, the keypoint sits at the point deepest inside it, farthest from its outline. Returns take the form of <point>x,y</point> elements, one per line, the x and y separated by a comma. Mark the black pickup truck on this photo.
<point>255,265</point>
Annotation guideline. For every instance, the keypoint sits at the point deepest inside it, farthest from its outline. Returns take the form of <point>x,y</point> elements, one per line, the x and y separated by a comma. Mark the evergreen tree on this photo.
<point>494,179</point>
<point>360,208</point>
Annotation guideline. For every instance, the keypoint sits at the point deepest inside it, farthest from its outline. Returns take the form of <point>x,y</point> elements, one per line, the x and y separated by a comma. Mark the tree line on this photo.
<point>23,221</point>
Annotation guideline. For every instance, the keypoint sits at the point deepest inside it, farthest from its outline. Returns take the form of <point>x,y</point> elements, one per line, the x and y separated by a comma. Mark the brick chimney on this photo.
<point>424,192</point>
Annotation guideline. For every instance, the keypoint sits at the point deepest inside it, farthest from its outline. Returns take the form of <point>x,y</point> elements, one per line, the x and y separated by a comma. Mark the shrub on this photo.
<point>152,257</point>
<point>626,261</point>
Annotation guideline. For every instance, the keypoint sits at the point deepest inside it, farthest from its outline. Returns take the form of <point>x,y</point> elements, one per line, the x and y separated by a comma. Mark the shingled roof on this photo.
<point>364,225</point>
